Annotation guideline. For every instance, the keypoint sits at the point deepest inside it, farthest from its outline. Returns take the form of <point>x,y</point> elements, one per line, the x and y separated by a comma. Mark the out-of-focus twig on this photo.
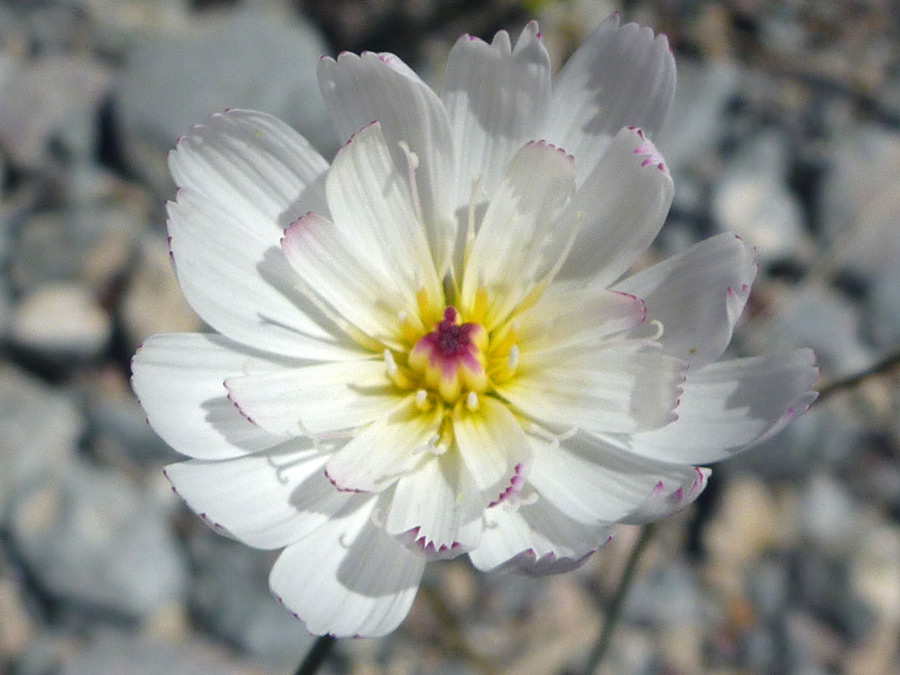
<point>881,367</point>
<point>614,612</point>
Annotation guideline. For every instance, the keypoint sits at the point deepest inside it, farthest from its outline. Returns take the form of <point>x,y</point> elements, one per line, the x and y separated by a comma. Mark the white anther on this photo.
<point>514,357</point>
<point>412,161</point>
<point>389,363</point>
<point>421,399</point>
<point>656,323</point>
<point>472,401</point>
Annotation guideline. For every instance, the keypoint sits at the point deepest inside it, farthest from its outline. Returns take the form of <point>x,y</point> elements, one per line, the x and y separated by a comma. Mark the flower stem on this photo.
<point>614,612</point>
<point>316,656</point>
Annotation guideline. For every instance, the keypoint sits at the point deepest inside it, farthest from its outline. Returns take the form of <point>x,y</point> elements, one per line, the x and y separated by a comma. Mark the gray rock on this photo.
<point>245,60</point>
<point>828,514</point>
<point>670,596</point>
<point>94,538</point>
<point>112,653</point>
<point>818,317</point>
<point>232,598</point>
<point>90,243</point>
<point>153,302</point>
<point>752,199</point>
<point>53,97</point>
<point>696,122</point>
<point>39,432</point>
<point>61,319</point>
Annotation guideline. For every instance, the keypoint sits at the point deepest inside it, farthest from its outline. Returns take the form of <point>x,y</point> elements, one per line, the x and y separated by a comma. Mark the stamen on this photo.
<point>470,231</point>
<point>472,401</point>
<point>410,326</point>
<point>397,376</point>
<point>514,358</point>
<point>506,338</point>
<point>656,323</point>
<point>422,402</point>
<point>412,163</point>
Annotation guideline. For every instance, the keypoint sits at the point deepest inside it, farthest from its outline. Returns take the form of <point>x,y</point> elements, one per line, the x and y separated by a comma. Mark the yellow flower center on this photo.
<point>456,360</point>
<point>451,358</point>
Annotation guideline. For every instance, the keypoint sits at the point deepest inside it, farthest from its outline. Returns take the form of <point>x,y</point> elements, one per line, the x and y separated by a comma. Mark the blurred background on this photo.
<point>786,129</point>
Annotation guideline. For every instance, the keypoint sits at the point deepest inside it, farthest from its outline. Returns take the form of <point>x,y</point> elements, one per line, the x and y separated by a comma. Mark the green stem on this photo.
<point>316,656</point>
<point>614,613</point>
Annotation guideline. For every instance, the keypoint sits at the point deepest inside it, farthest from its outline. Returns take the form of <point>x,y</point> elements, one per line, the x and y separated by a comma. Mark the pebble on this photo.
<point>752,200</point>
<point>696,123</point>
<point>829,516</point>
<point>875,572</point>
<point>232,598</point>
<point>152,301</point>
<point>61,319</point>
<point>53,98</point>
<point>40,428</point>
<point>122,653</point>
<point>242,60</point>
<point>93,537</point>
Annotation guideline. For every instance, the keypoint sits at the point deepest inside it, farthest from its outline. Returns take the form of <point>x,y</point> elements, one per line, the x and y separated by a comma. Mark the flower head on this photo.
<point>426,348</point>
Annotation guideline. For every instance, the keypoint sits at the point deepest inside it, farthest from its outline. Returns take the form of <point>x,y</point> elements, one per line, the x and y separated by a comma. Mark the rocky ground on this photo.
<point>786,130</point>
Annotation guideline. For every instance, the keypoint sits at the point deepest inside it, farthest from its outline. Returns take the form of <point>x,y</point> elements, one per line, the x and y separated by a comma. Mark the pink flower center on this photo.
<point>451,357</point>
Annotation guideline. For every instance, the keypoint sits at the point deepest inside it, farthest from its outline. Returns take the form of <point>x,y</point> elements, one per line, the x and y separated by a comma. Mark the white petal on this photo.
<point>267,500</point>
<point>360,89</point>
<point>597,484</point>
<point>535,539</point>
<point>621,207</point>
<point>234,275</point>
<point>620,76</point>
<point>731,405</point>
<point>670,497</point>
<point>387,449</point>
<point>360,298</point>
<point>348,578</point>
<point>516,248</point>
<point>698,296</point>
<point>491,443</point>
<point>372,206</point>
<point>612,387</point>
<point>436,509</point>
<point>568,313</point>
<point>498,99</point>
<point>178,379</point>
<point>251,165</point>
<point>315,399</point>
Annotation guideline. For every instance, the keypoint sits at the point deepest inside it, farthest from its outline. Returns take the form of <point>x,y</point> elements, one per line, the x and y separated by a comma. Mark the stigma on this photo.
<point>451,358</point>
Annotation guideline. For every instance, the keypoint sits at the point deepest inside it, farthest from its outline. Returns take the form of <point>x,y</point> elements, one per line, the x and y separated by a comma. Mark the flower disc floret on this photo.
<point>451,358</point>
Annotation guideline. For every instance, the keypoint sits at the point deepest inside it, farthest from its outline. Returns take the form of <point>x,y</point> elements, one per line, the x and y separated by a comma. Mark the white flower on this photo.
<point>425,349</point>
